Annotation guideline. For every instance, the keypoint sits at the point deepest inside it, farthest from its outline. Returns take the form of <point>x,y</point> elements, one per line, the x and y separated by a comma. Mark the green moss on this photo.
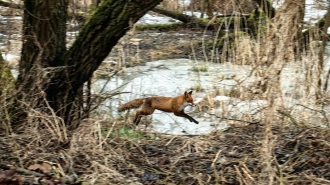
<point>200,68</point>
<point>217,20</point>
<point>159,27</point>
<point>7,81</point>
<point>7,85</point>
<point>258,22</point>
<point>197,88</point>
<point>234,93</point>
<point>229,39</point>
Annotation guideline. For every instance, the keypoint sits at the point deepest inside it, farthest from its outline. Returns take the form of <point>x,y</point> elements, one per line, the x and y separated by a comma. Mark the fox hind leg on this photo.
<point>142,112</point>
<point>137,119</point>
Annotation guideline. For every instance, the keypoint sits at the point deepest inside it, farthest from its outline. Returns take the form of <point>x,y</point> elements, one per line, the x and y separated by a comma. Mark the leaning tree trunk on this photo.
<point>50,75</point>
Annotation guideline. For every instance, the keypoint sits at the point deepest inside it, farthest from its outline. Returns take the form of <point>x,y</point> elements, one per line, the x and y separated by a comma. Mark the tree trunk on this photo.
<point>50,75</point>
<point>191,20</point>
<point>277,50</point>
<point>176,15</point>
<point>266,7</point>
<point>44,34</point>
<point>321,63</point>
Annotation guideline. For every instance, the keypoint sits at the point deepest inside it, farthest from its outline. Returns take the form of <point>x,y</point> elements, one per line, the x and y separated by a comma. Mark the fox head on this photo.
<point>188,100</point>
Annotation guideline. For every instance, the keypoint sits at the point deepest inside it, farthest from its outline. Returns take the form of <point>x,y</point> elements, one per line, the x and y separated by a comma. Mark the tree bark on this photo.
<point>50,75</point>
<point>187,19</point>
<point>266,7</point>
<point>321,63</point>
<point>44,34</point>
<point>277,50</point>
<point>175,15</point>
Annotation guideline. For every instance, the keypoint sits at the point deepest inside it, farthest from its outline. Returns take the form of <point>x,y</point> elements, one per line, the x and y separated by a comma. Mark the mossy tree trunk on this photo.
<point>50,75</point>
<point>266,7</point>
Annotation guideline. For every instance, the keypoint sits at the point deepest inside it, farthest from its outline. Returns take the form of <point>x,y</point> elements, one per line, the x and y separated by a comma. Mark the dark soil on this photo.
<point>300,155</point>
<point>156,45</point>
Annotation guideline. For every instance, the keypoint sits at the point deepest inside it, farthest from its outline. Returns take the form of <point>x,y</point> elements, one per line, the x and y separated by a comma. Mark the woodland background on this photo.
<point>52,133</point>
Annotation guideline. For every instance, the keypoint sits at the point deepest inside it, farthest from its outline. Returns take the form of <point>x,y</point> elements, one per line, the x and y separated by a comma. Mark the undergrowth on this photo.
<point>284,140</point>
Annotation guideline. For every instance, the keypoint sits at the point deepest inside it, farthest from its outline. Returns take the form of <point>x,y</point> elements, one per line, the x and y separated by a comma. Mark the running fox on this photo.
<point>167,104</point>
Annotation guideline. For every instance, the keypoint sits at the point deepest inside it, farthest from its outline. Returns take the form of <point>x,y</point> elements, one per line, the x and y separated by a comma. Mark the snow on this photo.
<point>153,19</point>
<point>9,57</point>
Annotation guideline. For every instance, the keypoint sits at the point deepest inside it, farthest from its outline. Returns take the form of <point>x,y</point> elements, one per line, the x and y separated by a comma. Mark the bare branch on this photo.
<point>11,5</point>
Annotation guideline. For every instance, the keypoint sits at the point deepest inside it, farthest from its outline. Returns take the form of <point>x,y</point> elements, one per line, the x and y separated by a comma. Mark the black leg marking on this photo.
<point>191,119</point>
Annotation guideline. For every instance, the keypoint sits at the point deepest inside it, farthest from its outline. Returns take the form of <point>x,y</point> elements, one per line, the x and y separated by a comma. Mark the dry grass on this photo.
<point>98,153</point>
<point>288,144</point>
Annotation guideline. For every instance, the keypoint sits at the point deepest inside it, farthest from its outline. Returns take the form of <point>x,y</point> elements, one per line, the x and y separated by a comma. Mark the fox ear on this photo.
<point>185,94</point>
<point>190,92</point>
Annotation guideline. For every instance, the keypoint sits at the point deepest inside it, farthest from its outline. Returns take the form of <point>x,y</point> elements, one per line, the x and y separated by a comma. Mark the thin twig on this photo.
<point>215,159</point>
<point>319,111</point>
<point>233,119</point>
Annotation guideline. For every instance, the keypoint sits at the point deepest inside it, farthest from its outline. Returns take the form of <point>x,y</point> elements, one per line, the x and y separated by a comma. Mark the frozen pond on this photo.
<point>168,78</point>
<point>173,77</point>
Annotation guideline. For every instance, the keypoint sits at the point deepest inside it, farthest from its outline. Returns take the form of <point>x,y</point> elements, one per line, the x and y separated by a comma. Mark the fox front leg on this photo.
<point>183,114</point>
<point>191,119</point>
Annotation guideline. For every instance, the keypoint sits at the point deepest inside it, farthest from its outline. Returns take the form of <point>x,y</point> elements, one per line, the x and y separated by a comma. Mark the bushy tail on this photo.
<point>136,103</point>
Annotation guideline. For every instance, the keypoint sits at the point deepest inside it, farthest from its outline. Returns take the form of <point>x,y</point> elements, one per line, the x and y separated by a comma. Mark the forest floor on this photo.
<point>151,45</point>
<point>113,155</point>
<point>114,152</point>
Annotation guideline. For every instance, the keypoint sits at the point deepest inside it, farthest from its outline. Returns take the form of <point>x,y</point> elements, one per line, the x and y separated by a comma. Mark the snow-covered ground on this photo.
<point>312,13</point>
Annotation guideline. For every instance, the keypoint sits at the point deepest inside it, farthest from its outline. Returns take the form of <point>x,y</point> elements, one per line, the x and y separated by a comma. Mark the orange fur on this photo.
<point>167,104</point>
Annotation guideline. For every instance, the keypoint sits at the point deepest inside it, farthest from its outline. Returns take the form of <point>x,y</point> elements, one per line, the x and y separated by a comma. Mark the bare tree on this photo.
<point>51,75</point>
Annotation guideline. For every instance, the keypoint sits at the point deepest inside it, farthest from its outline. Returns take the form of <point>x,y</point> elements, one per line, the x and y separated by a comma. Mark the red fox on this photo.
<point>167,104</point>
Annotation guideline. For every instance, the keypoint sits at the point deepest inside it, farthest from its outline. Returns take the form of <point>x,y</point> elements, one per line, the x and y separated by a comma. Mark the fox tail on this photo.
<point>136,103</point>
